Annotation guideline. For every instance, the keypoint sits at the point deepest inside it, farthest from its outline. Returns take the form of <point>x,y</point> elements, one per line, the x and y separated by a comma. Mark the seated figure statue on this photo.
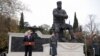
<point>59,25</point>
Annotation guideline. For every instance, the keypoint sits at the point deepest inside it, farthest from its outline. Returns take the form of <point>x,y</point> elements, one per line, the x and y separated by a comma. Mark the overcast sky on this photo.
<point>41,11</point>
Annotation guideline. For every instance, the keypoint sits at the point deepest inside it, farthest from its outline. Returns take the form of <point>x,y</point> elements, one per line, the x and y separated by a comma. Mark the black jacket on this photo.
<point>30,39</point>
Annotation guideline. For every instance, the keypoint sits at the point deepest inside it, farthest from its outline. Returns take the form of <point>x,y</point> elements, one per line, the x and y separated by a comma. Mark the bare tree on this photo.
<point>8,10</point>
<point>10,7</point>
<point>92,30</point>
<point>5,27</point>
<point>45,27</point>
<point>92,26</point>
<point>26,24</point>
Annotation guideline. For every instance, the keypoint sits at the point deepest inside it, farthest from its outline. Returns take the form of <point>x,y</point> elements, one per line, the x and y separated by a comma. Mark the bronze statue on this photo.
<point>59,25</point>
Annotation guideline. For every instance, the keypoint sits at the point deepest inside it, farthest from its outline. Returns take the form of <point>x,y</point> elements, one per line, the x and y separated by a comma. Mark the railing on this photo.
<point>93,51</point>
<point>3,54</point>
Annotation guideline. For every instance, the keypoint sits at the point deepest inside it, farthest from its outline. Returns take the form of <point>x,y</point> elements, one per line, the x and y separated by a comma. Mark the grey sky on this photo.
<point>41,10</point>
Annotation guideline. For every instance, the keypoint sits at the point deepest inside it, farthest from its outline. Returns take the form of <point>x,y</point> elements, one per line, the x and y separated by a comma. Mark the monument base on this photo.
<point>65,49</point>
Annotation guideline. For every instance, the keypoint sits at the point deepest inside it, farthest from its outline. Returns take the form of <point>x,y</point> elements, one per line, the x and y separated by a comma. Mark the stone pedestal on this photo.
<point>65,49</point>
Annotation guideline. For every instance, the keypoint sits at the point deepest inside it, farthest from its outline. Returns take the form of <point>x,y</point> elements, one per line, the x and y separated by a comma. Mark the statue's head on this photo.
<point>59,5</point>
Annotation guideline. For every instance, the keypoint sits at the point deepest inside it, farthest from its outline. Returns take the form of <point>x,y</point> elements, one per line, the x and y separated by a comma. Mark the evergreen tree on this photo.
<point>75,25</point>
<point>21,24</point>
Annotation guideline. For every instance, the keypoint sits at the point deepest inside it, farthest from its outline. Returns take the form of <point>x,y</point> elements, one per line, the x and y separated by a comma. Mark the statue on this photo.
<point>59,25</point>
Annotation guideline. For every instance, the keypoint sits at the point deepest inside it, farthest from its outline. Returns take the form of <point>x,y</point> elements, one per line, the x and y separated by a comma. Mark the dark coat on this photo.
<point>53,45</point>
<point>30,39</point>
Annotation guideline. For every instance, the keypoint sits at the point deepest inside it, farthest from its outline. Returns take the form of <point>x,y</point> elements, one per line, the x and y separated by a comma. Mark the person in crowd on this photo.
<point>28,42</point>
<point>53,44</point>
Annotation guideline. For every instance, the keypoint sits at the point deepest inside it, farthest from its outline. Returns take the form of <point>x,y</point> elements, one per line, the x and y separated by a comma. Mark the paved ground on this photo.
<point>22,54</point>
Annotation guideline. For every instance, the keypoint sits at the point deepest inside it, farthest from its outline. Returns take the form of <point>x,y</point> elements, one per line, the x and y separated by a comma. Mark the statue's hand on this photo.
<point>65,16</point>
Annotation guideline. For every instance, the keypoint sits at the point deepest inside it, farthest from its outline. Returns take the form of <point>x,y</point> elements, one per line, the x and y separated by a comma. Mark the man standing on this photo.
<point>59,16</point>
<point>53,44</point>
<point>28,42</point>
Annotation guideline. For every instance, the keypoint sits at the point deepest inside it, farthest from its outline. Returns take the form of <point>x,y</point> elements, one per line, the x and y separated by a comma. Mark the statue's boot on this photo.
<point>73,37</point>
